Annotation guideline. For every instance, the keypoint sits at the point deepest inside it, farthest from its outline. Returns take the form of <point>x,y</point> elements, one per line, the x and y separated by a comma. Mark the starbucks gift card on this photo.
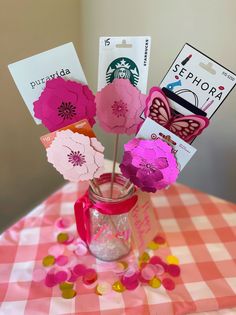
<point>124,58</point>
<point>31,74</point>
<point>196,84</point>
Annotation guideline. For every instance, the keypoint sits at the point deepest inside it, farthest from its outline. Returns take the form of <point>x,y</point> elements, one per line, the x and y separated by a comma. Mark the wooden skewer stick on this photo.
<point>97,186</point>
<point>128,190</point>
<point>125,186</point>
<point>114,164</point>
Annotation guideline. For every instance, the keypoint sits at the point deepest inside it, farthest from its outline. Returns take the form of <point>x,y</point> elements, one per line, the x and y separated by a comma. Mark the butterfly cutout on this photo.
<point>159,110</point>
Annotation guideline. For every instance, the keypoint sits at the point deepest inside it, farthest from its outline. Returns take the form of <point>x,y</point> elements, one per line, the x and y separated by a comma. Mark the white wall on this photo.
<point>210,26</point>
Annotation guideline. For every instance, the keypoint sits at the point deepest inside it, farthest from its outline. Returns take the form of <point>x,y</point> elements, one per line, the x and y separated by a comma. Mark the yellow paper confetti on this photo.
<point>62,237</point>
<point>68,293</point>
<point>172,260</point>
<point>48,261</point>
<point>155,282</point>
<point>152,245</point>
<point>123,265</point>
<point>118,287</point>
<point>144,257</point>
<point>66,286</point>
<point>103,288</point>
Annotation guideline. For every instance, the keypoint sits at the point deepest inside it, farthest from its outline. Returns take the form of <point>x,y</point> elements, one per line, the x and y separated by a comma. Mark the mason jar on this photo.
<point>110,234</point>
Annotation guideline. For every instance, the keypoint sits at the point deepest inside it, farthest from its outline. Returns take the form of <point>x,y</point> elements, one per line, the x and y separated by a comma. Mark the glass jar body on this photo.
<point>110,233</point>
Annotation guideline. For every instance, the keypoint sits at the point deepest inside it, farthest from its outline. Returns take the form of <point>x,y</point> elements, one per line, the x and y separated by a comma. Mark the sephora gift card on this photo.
<point>196,84</point>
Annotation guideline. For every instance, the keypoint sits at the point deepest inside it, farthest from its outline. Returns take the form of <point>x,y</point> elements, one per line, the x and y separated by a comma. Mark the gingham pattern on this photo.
<point>200,230</point>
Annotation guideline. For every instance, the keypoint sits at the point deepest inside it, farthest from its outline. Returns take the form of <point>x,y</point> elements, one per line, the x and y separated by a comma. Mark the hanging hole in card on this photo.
<point>124,44</point>
<point>208,67</point>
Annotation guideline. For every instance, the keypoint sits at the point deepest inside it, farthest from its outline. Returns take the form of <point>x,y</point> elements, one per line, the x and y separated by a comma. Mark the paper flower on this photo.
<point>149,164</point>
<point>119,106</point>
<point>63,103</point>
<point>75,156</point>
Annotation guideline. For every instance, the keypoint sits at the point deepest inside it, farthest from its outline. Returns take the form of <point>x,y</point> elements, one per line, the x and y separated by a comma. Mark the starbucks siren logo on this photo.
<point>123,68</point>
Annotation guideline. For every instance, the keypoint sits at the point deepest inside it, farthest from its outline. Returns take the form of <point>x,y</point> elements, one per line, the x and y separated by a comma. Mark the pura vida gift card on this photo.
<point>124,58</point>
<point>31,74</point>
<point>196,84</point>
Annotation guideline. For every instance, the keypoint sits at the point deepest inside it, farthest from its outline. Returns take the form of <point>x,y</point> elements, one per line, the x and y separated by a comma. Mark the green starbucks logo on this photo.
<point>122,68</point>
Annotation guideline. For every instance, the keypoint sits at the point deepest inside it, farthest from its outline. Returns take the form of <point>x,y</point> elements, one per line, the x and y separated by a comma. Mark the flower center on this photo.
<point>119,108</point>
<point>76,158</point>
<point>66,110</point>
<point>147,167</point>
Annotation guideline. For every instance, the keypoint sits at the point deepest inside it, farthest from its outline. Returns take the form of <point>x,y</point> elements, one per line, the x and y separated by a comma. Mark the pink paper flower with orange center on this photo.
<point>119,106</point>
<point>63,103</point>
<point>149,164</point>
<point>75,156</point>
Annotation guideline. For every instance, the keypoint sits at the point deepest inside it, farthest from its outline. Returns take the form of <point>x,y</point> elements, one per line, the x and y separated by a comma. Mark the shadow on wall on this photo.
<point>26,176</point>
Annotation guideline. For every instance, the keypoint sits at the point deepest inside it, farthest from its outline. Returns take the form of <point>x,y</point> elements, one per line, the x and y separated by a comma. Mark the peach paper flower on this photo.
<point>75,156</point>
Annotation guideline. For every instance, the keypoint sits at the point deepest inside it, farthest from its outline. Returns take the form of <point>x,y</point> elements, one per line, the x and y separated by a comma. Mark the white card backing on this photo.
<point>31,74</point>
<point>152,130</point>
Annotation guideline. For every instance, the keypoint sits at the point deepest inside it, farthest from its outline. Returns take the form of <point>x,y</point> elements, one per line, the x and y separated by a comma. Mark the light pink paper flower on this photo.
<point>75,156</point>
<point>63,103</point>
<point>149,164</point>
<point>119,106</point>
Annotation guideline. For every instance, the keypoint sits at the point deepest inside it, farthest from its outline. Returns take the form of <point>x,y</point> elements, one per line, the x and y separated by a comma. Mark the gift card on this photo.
<point>143,221</point>
<point>31,74</point>
<point>182,150</point>
<point>186,127</point>
<point>81,126</point>
<point>124,58</point>
<point>196,84</point>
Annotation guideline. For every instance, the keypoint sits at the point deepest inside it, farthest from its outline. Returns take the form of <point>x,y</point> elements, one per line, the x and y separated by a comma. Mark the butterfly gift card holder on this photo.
<point>176,129</point>
<point>186,127</point>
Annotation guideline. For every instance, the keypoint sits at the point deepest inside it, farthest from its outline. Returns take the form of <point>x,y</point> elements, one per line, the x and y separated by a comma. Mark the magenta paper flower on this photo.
<point>119,106</point>
<point>149,164</point>
<point>63,103</point>
<point>75,156</point>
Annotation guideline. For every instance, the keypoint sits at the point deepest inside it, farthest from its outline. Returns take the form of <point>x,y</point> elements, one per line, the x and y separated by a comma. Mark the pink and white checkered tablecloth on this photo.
<point>200,231</point>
